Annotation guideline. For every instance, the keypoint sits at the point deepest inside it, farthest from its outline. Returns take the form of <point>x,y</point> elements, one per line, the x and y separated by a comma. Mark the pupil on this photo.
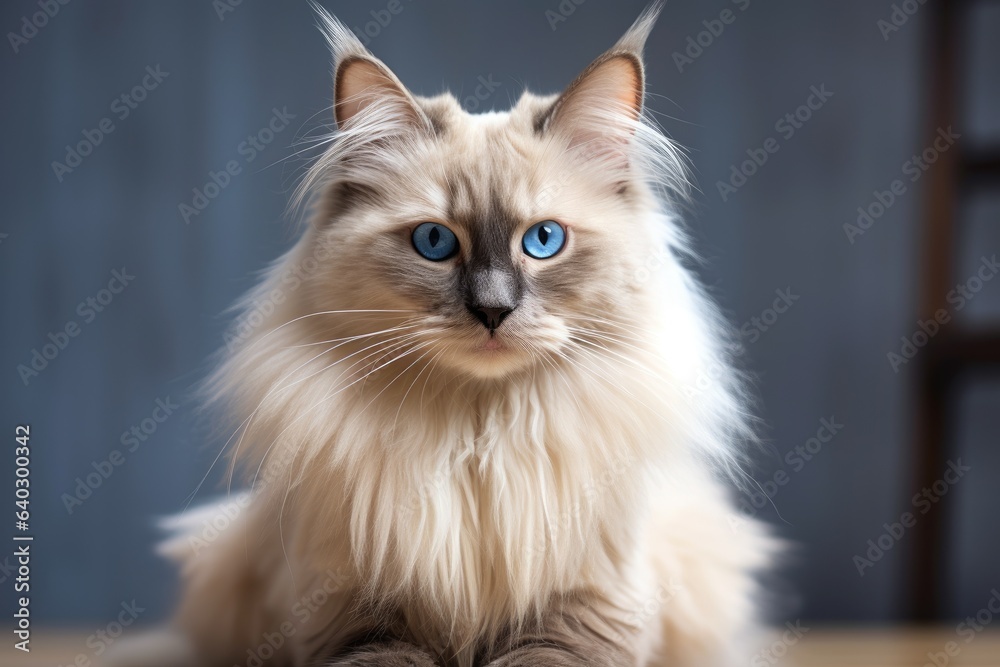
<point>434,237</point>
<point>543,235</point>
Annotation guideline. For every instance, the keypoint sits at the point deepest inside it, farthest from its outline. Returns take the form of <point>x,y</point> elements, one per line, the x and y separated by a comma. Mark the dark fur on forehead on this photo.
<point>485,215</point>
<point>491,225</point>
<point>492,231</point>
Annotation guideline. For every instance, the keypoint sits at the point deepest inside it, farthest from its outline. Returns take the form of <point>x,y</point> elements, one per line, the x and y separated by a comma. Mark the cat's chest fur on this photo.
<point>506,494</point>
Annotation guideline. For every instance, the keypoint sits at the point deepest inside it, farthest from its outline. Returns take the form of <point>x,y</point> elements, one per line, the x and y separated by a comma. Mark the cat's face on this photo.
<point>495,239</point>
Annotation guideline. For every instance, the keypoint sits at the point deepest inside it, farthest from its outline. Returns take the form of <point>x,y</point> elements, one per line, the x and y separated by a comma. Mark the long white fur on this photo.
<point>459,496</point>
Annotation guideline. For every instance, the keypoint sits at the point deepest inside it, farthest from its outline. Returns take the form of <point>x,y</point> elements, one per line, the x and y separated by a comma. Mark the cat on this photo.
<point>490,417</point>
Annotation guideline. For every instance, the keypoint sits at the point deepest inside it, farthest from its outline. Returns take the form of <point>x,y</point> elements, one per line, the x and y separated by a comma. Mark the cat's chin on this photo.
<point>492,358</point>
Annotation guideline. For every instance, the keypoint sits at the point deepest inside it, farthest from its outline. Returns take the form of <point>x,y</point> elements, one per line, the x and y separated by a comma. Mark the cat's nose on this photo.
<point>490,317</point>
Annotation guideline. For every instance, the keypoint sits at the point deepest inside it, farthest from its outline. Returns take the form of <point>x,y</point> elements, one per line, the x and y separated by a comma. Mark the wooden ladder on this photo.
<point>957,349</point>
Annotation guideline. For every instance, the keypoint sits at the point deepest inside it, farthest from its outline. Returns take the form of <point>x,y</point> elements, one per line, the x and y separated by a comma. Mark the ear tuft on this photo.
<point>343,43</point>
<point>634,40</point>
<point>601,108</point>
<point>361,80</point>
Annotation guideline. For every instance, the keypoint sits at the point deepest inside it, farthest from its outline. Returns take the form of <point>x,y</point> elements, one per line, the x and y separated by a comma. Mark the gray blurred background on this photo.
<point>222,77</point>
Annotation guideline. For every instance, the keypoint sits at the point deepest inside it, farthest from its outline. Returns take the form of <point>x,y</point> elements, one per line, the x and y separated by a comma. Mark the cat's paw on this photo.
<point>548,655</point>
<point>385,654</point>
<point>538,657</point>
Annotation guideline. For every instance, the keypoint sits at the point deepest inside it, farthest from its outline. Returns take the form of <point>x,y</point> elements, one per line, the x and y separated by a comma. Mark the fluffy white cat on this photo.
<point>487,419</point>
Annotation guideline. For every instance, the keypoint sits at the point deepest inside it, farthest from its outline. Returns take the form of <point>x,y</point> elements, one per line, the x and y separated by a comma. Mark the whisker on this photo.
<point>249,420</point>
<point>608,337</point>
<point>590,318</point>
<point>391,382</point>
<point>281,532</point>
<point>633,362</point>
<point>401,327</point>
<point>410,388</point>
<point>322,312</point>
<point>244,426</point>
<point>611,381</point>
<point>323,400</point>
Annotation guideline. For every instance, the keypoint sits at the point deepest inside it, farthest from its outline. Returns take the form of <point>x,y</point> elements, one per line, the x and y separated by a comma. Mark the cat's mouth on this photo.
<point>492,344</point>
<point>493,348</point>
<point>507,349</point>
<point>492,355</point>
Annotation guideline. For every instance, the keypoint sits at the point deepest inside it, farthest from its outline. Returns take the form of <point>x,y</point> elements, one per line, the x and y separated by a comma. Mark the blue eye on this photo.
<point>544,239</point>
<point>435,242</point>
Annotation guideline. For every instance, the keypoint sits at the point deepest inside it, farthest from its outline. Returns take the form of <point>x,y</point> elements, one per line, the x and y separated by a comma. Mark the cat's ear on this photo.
<point>362,81</point>
<point>601,108</point>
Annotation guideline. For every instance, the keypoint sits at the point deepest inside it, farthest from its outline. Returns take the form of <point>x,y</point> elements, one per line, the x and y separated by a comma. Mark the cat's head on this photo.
<point>490,241</point>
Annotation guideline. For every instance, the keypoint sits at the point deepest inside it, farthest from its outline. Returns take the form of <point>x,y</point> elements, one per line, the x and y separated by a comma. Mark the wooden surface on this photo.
<point>817,648</point>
